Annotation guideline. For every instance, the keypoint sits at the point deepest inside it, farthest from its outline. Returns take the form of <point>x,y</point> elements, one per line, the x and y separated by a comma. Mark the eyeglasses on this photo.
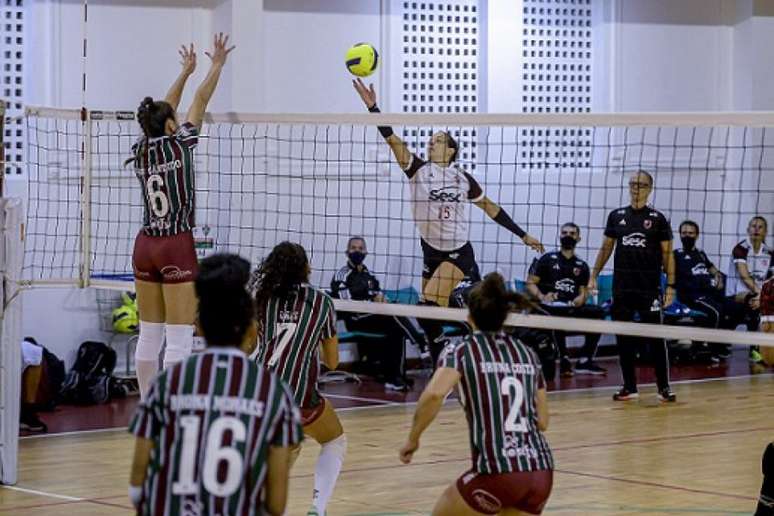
<point>632,184</point>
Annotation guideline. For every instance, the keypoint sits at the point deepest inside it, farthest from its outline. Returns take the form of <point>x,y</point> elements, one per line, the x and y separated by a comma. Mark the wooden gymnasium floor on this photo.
<point>699,456</point>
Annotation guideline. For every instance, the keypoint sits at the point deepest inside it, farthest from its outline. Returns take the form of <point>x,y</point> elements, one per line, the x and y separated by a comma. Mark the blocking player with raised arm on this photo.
<point>164,259</point>
<point>214,433</point>
<point>504,397</point>
<point>441,192</point>
<point>642,238</point>
<point>296,323</point>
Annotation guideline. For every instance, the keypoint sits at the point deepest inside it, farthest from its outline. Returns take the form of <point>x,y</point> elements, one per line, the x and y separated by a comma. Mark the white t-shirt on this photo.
<point>440,199</point>
<point>757,264</point>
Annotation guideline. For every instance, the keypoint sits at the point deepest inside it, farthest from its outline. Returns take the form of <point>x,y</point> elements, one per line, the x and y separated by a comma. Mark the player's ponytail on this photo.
<point>490,302</point>
<point>153,115</point>
<point>225,307</point>
<point>282,271</point>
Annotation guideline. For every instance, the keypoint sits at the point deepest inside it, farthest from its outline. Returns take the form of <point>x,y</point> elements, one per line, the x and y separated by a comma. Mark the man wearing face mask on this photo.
<point>558,280</point>
<point>354,281</point>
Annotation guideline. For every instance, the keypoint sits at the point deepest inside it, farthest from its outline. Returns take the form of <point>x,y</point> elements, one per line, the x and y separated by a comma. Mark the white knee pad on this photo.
<point>149,342</point>
<point>179,343</point>
<point>336,447</point>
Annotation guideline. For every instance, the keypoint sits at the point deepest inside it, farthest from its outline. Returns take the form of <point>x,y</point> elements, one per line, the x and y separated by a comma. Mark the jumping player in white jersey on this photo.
<point>440,192</point>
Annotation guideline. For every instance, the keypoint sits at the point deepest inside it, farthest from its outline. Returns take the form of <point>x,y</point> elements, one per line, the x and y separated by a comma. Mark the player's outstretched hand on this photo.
<point>220,50</point>
<point>407,452</point>
<point>368,94</point>
<point>187,58</point>
<point>534,243</point>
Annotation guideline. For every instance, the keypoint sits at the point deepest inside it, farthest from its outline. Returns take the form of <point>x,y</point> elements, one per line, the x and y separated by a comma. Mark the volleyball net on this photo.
<point>320,179</point>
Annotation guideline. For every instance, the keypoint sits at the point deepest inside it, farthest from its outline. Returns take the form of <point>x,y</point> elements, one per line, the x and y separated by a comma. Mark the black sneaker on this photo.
<point>29,421</point>
<point>666,396</point>
<point>565,368</point>
<point>397,385</point>
<point>589,367</point>
<point>625,395</point>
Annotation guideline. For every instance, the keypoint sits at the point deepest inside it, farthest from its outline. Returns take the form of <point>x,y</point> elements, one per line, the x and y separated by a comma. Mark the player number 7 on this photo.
<point>285,332</point>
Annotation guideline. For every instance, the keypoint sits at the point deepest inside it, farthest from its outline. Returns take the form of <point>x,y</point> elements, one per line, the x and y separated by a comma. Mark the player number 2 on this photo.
<point>159,203</point>
<point>285,332</point>
<point>513,423</point>
<point>215,453</point>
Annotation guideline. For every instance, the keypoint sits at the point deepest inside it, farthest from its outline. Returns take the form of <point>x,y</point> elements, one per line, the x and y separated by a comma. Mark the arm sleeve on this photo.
<point>585,275</point>
<point>329,325</point>
<point>610,226</point>
<point>666,229</point>
<point>188,135</point>
<point>739,253</point>
<point>146,421</point>
<point>414,165</point>
<point>287,430</point>
<point>475,192</point>
<point>450,358</point>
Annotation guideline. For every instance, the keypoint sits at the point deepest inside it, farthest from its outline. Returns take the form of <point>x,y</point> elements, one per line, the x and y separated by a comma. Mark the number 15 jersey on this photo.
<point>165,168</point>
<point>499,384</point>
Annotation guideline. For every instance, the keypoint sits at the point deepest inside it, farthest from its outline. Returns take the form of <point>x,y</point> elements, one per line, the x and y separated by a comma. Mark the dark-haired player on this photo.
<point>642,239</point>
<point>558,280</point>
<point>296,322</point>
<point>441,192</point>
<point>164,259</point>
<point>215,431</point>
<point>503,393</point>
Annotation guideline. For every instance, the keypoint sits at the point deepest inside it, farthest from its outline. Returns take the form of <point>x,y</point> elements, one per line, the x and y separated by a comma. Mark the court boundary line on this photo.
<point>380,404</point>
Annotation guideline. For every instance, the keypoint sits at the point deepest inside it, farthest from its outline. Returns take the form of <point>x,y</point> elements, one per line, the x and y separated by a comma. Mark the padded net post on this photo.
<point>11,253</point>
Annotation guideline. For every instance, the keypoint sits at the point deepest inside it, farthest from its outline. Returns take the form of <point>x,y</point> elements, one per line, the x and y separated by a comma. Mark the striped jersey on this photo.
<point>212,419</point>
<point>291,331</point>
<point>165,168</point>
<point>500,378</point>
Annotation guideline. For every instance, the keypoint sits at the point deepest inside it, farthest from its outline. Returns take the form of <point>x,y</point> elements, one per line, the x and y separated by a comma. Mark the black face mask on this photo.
<point>356,257</point>
<point>688,242</point>
<point>568,242</point>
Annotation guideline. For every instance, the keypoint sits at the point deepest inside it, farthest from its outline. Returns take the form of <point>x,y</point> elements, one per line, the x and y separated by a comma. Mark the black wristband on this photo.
<point>505,221</point>
<point>384,130</point>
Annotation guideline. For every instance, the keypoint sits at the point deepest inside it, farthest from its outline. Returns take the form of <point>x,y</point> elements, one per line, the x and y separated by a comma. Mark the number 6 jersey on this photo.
<point>165,169</point>
<point>500,378</point>
<point>291,329</point>
<point>212,419</point>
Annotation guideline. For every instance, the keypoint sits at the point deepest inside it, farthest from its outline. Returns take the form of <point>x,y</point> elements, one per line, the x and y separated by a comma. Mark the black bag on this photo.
<point>89,380</point>
<point>51,378</point>
<point>542,343</point>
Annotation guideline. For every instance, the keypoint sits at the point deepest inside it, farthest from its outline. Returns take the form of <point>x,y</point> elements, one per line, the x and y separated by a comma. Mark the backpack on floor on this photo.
<point>89,380</point>
<point>51,377</point>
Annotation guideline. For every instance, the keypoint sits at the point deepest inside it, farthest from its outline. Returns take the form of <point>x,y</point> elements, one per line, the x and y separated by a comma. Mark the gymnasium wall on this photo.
<point>647,55</point>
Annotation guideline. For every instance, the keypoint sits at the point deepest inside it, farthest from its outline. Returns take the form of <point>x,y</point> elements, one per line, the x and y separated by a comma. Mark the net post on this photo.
<point>11,252</point>
<point>2,147</point>
<point>86,178</point>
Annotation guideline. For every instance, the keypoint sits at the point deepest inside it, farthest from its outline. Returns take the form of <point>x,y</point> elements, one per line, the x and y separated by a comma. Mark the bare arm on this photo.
<point>532,286</point>
<point>277,480</point>
<point>400,150</point>
<point>495,212</point>
<point>668,259</point>
<point>207,87</point>
<point>188,61</point>
<point>583,295</point>
<point>430,402</point>
<point>330,352</point>
<point>542,409</point>
<point>602,257</point>
<point>747,279</point>
<point>142,451</point>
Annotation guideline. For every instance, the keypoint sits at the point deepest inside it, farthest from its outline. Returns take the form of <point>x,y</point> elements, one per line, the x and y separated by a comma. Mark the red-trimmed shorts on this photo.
<point>311,414</point>
<point>165,259</point>
<point>526,491</point>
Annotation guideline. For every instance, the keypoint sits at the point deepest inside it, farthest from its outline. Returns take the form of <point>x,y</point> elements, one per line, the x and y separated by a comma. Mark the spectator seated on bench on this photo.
<point>384,344</point>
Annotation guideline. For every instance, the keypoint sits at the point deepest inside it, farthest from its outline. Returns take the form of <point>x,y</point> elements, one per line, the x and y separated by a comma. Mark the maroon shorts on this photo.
<point>165,259</point>
<point>311,414</point>
<point>526,491</point>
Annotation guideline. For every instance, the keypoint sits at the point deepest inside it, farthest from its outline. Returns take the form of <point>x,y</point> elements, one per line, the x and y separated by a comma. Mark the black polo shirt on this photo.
<point>637,262</point>
<point>693,276</point>
<point>565,276</point>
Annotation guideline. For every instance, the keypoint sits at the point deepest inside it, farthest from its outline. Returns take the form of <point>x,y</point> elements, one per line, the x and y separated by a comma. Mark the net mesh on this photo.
<point>259,183</point>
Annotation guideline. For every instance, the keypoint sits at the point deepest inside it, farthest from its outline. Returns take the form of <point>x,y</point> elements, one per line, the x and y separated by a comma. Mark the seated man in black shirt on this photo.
<point>354,281</point>
<point>558,279</point>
